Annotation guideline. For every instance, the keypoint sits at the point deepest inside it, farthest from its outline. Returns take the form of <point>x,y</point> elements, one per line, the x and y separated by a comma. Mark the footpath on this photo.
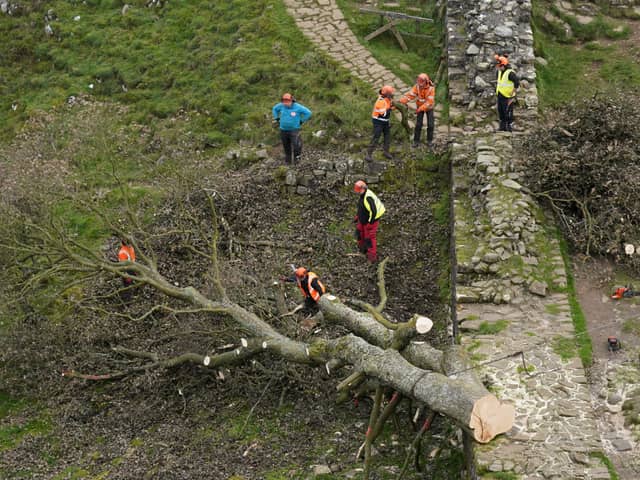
<point>509,273</point>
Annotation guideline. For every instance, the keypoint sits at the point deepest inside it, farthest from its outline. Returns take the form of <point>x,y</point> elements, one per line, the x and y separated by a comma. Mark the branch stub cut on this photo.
<point>206,361</point>
<point>423,324</point>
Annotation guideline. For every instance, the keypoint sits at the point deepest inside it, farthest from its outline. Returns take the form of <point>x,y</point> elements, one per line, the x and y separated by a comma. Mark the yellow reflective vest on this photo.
<point>376,201</point>
<point>505,86</point>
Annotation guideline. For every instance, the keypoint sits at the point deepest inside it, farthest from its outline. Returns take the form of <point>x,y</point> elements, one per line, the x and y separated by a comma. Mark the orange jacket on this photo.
<point>125,253</point>
<point>425,97</point>
<point>382,109</point>
<point>311,290</point>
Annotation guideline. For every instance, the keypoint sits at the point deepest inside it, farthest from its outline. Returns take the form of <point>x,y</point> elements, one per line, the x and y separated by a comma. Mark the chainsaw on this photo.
<point>625,292</point>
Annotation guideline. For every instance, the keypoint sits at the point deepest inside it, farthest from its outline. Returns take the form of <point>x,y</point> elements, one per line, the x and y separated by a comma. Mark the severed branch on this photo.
<point>233,357</point>
<point>382,289</point>
<point>373,419</point>
<point>467,402</point>
<point>415,445</point>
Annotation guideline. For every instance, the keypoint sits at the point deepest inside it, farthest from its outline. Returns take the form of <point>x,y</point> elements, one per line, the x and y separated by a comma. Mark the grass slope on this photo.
<point>227,61</point>
<point>596,57</point>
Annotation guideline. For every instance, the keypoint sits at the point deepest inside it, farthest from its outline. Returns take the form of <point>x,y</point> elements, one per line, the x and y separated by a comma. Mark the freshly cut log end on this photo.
<point>423,324</point>
<point>490,417</point>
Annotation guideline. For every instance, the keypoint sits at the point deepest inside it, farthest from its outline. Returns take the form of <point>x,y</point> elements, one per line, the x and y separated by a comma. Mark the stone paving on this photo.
<point>507,262</point>
<point>556,427</point>
<point>323,23</point>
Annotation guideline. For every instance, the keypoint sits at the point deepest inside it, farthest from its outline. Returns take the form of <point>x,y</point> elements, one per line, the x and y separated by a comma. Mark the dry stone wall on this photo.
<point>477,30</point>
<point>509,275</point>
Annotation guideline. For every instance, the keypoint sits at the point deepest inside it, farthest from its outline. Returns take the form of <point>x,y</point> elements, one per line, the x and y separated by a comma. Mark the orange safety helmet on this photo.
<point>359,186</point>
<point>501,60</point>
<point>301,272</point>
<point>387,91</point>
<point>423,79</point>
<point>287,98</point>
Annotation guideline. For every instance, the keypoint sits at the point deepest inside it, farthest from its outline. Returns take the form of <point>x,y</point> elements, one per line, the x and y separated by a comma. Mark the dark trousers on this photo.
<point>505,113</point>
<point>367,241</point>
<point>381,128</point>
<point>291,141</point>
<point>430,126</point>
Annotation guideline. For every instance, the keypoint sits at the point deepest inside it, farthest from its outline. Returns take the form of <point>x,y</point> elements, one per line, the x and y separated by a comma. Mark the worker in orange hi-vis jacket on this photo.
<point>309,284</point>
<point>380,117</point>
<point>424,94</point>
<point>126,254</point>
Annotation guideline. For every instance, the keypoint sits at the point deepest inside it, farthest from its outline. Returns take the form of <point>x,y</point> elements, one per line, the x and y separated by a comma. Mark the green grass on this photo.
<point>631,326</point>
<point>553,308</point>
<point>8,405</point>
<point>226,63</point>
<point>613,475</point>
<point>73,473</point>
<point>12,435</point>
<point>492,328</point>
<point>423,54</point>
<point>581,66</point>
<point>583,340</point>
<point>529,369</point>
<point>564,347</point>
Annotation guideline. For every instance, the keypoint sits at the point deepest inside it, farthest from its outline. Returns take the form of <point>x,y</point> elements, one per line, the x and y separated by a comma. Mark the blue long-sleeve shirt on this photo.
<point>291,117</point>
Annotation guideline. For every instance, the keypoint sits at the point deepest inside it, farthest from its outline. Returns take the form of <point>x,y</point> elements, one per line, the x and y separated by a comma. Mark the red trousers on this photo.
<point>367,239</point>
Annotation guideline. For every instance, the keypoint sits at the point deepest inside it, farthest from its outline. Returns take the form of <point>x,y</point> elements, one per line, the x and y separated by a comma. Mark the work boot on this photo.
<point>385,147</point>
<point>368,157</point>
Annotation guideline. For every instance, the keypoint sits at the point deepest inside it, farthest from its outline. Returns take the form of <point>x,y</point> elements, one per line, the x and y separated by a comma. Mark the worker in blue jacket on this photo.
<point>290,115</point>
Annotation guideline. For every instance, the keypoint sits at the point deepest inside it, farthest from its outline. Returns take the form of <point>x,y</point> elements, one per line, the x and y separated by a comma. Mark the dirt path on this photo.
<point>614,376</point>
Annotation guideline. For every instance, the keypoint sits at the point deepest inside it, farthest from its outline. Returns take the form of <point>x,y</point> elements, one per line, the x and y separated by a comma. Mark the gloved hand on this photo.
<point>275,123</point>
<point>357,234</point>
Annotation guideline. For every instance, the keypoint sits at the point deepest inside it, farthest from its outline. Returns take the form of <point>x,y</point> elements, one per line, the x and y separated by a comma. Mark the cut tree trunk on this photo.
<point>468,403</point>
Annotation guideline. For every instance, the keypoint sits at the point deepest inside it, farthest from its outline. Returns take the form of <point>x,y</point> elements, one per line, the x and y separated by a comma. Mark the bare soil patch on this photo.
<point>613,374</point>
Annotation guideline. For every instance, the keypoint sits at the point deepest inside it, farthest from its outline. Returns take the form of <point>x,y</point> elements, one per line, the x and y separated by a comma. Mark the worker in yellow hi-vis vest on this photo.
<point>506,88</point>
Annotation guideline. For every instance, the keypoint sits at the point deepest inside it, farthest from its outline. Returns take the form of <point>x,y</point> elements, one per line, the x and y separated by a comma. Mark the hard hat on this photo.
<point>287,97</point>
<point>501,60</point>
<point>423,78</point>
<point>386,90</point>
<point>359,186</point>
<point>301,272</point>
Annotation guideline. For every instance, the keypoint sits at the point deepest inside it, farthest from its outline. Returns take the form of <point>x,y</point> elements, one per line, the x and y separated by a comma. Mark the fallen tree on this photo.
<point>377,348</point>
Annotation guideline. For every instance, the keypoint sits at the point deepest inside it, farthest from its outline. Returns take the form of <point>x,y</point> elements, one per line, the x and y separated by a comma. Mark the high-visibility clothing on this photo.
<point>382,109</point>
<point>378,207</point>
<point>505,87</point>
<point>125,253</point>
<point>425,97</point>
<point>311,287</point>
